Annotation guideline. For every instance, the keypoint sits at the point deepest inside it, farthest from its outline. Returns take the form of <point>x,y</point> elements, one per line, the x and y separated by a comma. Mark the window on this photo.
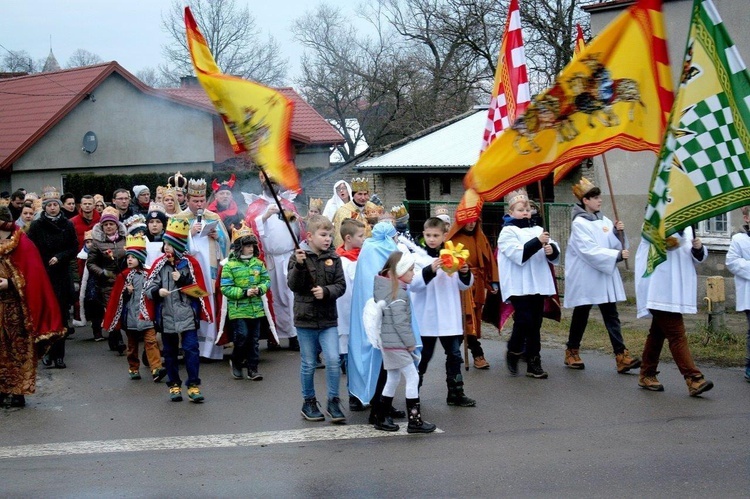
<point>716,232</point>
<point>445,185</point>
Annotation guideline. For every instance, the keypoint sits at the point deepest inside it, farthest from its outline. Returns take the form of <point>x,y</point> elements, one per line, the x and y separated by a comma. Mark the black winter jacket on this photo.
<point>322,270</point>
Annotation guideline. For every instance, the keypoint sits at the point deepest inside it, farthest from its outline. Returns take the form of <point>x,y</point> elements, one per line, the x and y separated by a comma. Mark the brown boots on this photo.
<point>625,362</point>
<point>573,360</point>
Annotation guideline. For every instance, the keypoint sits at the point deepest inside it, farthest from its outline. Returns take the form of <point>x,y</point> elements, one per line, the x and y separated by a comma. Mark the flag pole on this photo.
<point>620,233</point>
<point>541,205</point>
<point>278,203</point>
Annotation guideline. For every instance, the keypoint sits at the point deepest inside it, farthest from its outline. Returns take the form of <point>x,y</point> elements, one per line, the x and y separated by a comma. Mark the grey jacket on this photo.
<point>395,331</point>
<point>179,312</point>
<point>131,319</point>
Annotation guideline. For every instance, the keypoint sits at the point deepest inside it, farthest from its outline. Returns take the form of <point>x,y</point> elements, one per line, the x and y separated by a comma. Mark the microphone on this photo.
<point>199,214</point>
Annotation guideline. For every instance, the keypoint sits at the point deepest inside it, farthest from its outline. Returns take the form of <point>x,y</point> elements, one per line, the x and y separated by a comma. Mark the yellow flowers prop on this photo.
<point>453,257</point>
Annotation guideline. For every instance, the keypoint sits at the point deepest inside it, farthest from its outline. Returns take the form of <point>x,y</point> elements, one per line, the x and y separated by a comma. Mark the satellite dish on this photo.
<point>89,142</point>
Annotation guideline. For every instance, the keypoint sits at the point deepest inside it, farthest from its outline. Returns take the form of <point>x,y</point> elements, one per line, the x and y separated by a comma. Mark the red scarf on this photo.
<point>229,212</point>
<point>352,254</point>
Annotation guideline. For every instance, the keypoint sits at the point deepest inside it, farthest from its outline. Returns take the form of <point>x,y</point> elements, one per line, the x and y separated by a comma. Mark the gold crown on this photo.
<point>316,204</point>
<point>581,188</point>
<point>518,196</point>
<point>177,181</point>
<point>399,211</point>
<point>196,187</point>
<point>179,228</point>
<point>243,231</point>
<point>360,185</point>
<point>169,191</point>
<point>50,192</point>
<point>442,210</point>
<point>89,234</point>
<point>135,242</point>
<point>160,190</point>
<point>156,207</point>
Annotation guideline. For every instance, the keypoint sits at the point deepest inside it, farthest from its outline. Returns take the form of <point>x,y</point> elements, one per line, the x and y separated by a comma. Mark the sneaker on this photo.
<point>481,363</point>
<point>573,360</point>
<point>273,346</point>
<point>236,370</point>
<point>534,368</point>
<point>254,375</point>
<point>310,410</point>
<point>99,338</point>
<point>175,393</point>
<point>334,411</point>
<point>158,374</point>
<point>60,364</point>
<point>697,385</point>
<point>46,361</point>
<point>650,383</point>
<point>511,360</point>
<point>194,394</point>
<point>134,375</point>
<point>625,362</point>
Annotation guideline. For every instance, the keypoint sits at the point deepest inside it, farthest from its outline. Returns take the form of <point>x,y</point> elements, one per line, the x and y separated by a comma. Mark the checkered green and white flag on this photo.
<point>703,169</point>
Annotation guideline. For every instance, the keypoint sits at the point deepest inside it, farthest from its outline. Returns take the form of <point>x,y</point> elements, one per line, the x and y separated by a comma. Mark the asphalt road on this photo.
<point>91,432</point>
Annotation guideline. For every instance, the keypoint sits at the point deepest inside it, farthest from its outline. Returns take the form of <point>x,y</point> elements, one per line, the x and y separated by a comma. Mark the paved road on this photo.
<point>91,432</point>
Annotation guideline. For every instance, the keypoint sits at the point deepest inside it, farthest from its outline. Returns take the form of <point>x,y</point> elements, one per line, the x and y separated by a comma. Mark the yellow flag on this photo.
<point>604,98</point>
<point>257,118</point>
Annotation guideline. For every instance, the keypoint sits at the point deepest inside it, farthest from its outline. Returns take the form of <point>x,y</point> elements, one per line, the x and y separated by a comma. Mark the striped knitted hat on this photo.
<point>177,235</point>
<point>136,246</point>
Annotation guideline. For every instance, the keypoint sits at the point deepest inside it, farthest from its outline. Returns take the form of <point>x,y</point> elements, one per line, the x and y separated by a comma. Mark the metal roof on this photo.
<point>453,147</point>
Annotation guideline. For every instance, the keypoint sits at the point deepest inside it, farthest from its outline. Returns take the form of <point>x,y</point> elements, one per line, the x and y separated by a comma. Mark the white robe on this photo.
<point>738,263</point>
<point>278,247</point>
<point>335,202</point>
<point>591,274</point>
<point>344,304</point>
<point>673,285</point>
<point>519,278</point>
<point>437,305</point>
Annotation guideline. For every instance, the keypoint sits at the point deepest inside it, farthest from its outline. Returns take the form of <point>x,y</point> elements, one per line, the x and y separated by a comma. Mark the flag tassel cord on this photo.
<point>620,233</point>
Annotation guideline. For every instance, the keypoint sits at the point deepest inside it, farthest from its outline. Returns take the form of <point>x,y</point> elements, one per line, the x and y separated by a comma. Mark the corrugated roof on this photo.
<point>308,126</point>
<point>31,105</point>
<point>454,146</point>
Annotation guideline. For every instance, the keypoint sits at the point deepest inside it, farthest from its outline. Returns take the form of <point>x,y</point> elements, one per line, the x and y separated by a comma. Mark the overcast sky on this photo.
<point>127,31</point>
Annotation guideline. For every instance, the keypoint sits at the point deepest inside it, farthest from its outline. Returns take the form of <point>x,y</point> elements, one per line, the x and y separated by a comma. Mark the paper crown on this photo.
<point>156,207</point>
<point>243,231</point>
<point>360,184</point>
<point>316,204</point>
<point>50,192</point>
<point>89,234</point>
<point>442,210</point>
<point>177,181</point>
<point>582,188</point>
<point>224,186</point>
<point>196,187</point>
<point>136,246</point>
<point>136,242</point>
<point>160,190</point>
<point>178,228</point>
<point>518,196</point>
<point>399,211</point>
<point>135,222</point>
<point>169,191</point>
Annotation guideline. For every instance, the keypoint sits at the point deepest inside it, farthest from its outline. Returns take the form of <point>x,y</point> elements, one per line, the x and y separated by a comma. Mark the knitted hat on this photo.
<point>156,212</point>
<point>177,235</point>
<point>403,265</point>
<point>134,223</point>
<point>50,194</point>
<point>138,189</point>
<point>136,246</point>
<point>110,214</point>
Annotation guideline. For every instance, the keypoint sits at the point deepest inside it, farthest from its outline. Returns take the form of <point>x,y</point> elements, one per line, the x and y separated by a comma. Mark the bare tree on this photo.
<point>18,61</point>
<point>152,77</point>
<point>82,57</point>
<point>233,38</point>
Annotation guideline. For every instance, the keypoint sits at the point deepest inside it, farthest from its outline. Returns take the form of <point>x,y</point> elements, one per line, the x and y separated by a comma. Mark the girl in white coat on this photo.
<point>523,253</point>
<point>667,293</point>
<point>591,275</point>
<point>738,263</point>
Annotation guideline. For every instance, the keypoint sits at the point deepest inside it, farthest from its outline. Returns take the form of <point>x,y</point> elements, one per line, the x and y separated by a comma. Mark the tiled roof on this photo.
<point>308,126</point>
<point>31,105</point>
<point>454,146</point>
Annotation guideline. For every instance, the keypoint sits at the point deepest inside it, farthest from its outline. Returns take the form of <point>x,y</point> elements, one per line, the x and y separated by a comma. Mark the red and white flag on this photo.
<point>510,94</point>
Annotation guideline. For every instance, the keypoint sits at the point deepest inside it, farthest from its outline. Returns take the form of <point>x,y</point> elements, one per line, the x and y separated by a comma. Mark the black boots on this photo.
<point>534,368</point>
<point>456,394</point>
<point>416,424</point>
<point>384,421</point>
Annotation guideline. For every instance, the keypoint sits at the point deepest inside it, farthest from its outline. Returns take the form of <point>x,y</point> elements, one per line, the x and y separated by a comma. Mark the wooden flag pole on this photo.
<point>541,206</point>
<point>281,208</point>
<point>620,233</point>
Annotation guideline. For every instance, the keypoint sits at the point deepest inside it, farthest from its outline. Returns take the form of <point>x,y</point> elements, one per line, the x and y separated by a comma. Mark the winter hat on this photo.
<point>403,265</point>
<point>136,246</point>
<point>138,189</point>
<point>134,223</point>
<point>5,215</point>
<point>156,212</point>
<point>50,194</point>
<point>177,235</point>
<point>110,214</point>
<point>442,213</point>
